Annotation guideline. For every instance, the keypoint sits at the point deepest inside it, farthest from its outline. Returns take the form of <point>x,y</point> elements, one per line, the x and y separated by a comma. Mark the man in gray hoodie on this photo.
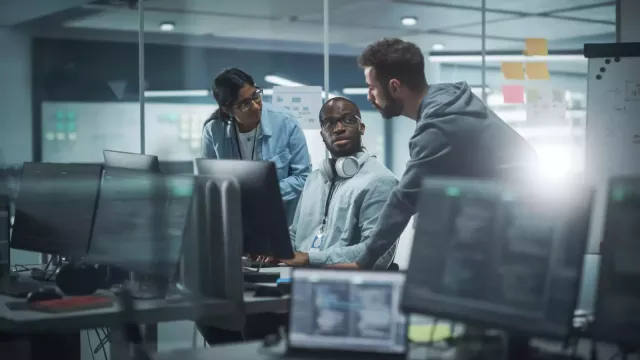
<point>342,200</point>
<point>456,134</point>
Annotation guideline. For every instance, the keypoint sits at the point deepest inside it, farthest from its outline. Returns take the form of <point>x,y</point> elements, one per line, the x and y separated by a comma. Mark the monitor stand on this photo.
<point>518,347</point>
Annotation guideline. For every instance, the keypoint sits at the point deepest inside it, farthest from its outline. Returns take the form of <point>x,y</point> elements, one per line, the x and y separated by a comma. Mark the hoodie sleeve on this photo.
<point>426,149</point>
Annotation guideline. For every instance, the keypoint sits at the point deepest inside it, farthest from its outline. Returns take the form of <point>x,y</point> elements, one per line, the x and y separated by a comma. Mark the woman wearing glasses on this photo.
<point>245,128</point>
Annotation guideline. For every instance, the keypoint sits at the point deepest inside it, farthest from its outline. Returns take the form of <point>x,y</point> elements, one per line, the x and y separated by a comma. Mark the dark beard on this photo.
<point>393,108</point>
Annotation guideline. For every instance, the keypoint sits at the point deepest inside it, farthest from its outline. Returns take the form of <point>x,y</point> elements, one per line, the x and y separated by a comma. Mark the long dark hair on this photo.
<point>225,88</point>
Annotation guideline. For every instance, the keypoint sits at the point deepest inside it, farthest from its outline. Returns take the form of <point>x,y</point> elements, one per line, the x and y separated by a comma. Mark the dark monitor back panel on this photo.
<point>133,161</point>
<point>498,257</point>
<point>55,208</point>
<point>264,220</point>
<point>617,315</point>
<point>140,221</point>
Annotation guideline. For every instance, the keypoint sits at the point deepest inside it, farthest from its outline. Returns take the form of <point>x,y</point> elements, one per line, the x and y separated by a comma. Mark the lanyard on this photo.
<point>332,189</point>
<point>255,140</point>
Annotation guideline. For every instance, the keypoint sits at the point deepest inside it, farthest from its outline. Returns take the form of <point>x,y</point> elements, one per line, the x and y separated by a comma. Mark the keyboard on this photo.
<point>255,264</point>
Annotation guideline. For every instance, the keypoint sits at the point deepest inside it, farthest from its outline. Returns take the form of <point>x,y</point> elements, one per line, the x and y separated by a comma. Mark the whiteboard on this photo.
<point>79,132</point>
<point>304,102</point>
<point>612,130</point>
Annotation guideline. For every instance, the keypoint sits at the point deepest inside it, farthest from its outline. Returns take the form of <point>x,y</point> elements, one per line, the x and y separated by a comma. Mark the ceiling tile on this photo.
<point>603,13</point>
<point>388,15</point>
<point>528,6</point>
<point>541,27</point>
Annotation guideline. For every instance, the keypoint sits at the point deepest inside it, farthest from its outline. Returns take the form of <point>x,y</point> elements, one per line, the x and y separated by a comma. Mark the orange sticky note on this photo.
<point>537,71</point>
<point>512,70</point>
<point>513,94</point>
<point>536,47</point>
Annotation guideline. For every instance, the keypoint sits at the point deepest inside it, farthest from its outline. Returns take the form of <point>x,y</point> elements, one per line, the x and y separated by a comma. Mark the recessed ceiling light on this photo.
<point>437,47</point>
<point>167,26</point>
<point>409,20</point>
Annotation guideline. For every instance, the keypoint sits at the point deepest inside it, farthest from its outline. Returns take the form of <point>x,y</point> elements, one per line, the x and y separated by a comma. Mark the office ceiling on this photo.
<point>297,25</point>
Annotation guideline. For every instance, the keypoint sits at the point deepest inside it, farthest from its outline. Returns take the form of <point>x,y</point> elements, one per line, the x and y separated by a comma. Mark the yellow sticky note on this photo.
<point>537,71</point>
<point>512,70</point>
<point>536,47</point>
<point>423,333</point>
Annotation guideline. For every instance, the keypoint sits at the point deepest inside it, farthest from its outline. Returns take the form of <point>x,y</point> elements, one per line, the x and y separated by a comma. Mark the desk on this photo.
<point>254,350</point>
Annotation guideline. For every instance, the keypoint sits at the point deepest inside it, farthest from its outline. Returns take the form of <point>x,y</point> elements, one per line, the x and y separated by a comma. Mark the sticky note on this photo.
<point>537,71</point>
<point>533,95</point>
<point>512,70</point>
<point>536,47</point>
<point>423,333</point>
<point>513,94</point>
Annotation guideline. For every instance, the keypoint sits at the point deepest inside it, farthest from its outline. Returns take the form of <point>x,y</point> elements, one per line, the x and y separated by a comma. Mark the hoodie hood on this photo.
<point>451,99</point>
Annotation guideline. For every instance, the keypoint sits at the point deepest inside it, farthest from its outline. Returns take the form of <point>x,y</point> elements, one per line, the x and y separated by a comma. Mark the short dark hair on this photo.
<point>393,58</point>
<point>335,99</point>
<point>228,83</point>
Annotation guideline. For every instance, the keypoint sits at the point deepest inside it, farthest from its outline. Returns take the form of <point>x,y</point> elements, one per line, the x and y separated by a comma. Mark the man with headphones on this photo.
<point>341,201</point>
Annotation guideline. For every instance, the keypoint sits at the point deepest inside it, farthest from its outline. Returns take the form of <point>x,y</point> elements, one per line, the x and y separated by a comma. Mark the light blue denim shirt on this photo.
<point>280,140</point>
<point>353,213</point>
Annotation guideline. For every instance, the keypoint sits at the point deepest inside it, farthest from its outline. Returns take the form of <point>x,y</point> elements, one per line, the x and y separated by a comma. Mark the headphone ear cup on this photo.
<point>347,167</point>
<point>326,169</point>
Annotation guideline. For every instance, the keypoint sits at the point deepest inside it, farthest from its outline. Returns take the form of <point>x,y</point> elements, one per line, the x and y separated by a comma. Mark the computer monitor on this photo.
<point>264,219</point>
<point>212,265</point>
<point>140,221</point>
<point>126,160</point>
<point>347,310</point>
<point>499,256</point>
<point>617,319</point>
<point>55,208</point>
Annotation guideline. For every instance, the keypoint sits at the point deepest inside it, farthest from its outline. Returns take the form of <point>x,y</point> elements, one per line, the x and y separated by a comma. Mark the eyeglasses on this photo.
<point>349,121</point>
<point>245,104</point>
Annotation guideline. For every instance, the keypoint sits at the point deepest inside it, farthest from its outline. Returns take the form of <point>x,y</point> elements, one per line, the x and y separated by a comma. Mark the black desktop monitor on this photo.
<point>617,310</point>
<point>499,256</point>
<point>264,219</point>
<point>126,160</point>
<point>140,221</point>
<point>55,208</point>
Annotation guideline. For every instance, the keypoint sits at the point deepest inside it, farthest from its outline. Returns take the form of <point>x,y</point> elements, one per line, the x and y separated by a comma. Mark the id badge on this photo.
<point>317,241</point>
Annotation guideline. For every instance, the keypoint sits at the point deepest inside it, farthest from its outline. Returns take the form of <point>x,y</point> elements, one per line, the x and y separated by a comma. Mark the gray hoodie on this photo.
<point>456,135</point>
<point>353,212</point>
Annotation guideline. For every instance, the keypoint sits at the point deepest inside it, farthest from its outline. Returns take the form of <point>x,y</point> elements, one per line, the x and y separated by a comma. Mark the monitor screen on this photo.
<point>617,314</point>
<point>140,221</point>
<point>498,256</point>
<point>55,208</point>
<point>347,311</point>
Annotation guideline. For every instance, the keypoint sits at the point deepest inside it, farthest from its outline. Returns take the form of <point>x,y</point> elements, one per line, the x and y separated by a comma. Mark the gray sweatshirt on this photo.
<point>352,214</point>
<point>456,135</point>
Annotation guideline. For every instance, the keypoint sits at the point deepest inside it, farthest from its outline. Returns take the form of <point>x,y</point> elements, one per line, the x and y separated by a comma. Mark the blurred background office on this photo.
<point>78,76</point>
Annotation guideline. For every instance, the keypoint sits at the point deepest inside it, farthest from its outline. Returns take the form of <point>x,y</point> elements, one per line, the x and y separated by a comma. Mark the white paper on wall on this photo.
<point>305,103</point>
<point>546,104</point>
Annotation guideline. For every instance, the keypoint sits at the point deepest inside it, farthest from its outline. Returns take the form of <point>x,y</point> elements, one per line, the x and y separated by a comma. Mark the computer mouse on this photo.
<point>43,294</point>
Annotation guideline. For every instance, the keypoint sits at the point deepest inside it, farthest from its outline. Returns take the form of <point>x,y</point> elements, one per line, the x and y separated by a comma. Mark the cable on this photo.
<point>434,325</point>
<point>104,351</point>
<point>90,346</point>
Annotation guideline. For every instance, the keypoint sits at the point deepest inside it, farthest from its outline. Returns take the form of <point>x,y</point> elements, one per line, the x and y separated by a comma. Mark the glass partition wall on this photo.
<point>83,76</point>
